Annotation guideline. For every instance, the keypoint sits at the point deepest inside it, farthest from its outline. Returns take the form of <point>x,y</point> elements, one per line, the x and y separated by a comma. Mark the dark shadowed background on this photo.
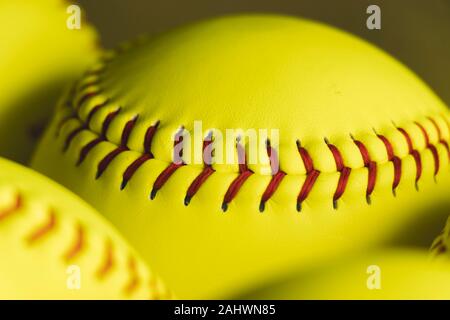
<point>417,32</point>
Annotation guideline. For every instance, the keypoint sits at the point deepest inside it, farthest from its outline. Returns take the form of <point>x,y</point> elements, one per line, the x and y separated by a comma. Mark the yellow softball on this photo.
<point>350,148</point>
<point>54,246</point>
<point>386,274</point>
<point>39,55</point>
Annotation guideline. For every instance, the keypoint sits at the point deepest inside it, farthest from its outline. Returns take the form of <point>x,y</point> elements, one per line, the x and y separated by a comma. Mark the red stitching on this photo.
<point>77,246</point>
<point>108,263</point>
<point>88,147</point>
<point>342,169</point>
<point>197,183</point>
<point>277,176</point>
<point>85,150</point>
<point>415,154</point>
<point>440,137</point>
<point>244,173</point>
<point>371,168</point>
<point>40,232</point>
<point>163,177</point>
<point>204,175</point>
<point>132,168</point>
<point>86,85</point>
<point>439,246</point>
<point>88,95</point>
<point>148,139</point>
<point>104,163</point>
<point>311,175</point>
<point>171,168</point>
<point>306,158</point>
<point>84,126</point>
<point>70,96</point>
<point>396,162</point>
<point>71,136</point>
<point>4,213</point>
<point>134,280</point>
<point>430,147</point>
<point>94,111</point>
<point>95,71</point>
<point>238,182</point>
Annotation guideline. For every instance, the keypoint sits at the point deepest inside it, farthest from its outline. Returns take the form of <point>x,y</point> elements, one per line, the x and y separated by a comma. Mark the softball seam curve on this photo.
<point>43,230</point>
<point>87,92</point>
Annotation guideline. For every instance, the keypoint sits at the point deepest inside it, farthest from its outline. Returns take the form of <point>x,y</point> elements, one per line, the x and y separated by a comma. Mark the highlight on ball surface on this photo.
<point>245,156</point>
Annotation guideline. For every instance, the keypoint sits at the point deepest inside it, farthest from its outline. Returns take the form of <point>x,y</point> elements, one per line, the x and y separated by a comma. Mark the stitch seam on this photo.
<point>42,230</point>
<point>311,173</point>
<point>244,173</point>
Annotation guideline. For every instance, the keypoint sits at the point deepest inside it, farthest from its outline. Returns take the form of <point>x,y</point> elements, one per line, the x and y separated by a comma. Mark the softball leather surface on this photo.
<point>362,150</point>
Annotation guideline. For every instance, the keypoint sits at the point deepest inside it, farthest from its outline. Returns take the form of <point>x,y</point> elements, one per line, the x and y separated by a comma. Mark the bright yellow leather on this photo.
<point>309,81</point>
<point>45,230</point>
<point>39,55</point>
<point>402,274</point>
